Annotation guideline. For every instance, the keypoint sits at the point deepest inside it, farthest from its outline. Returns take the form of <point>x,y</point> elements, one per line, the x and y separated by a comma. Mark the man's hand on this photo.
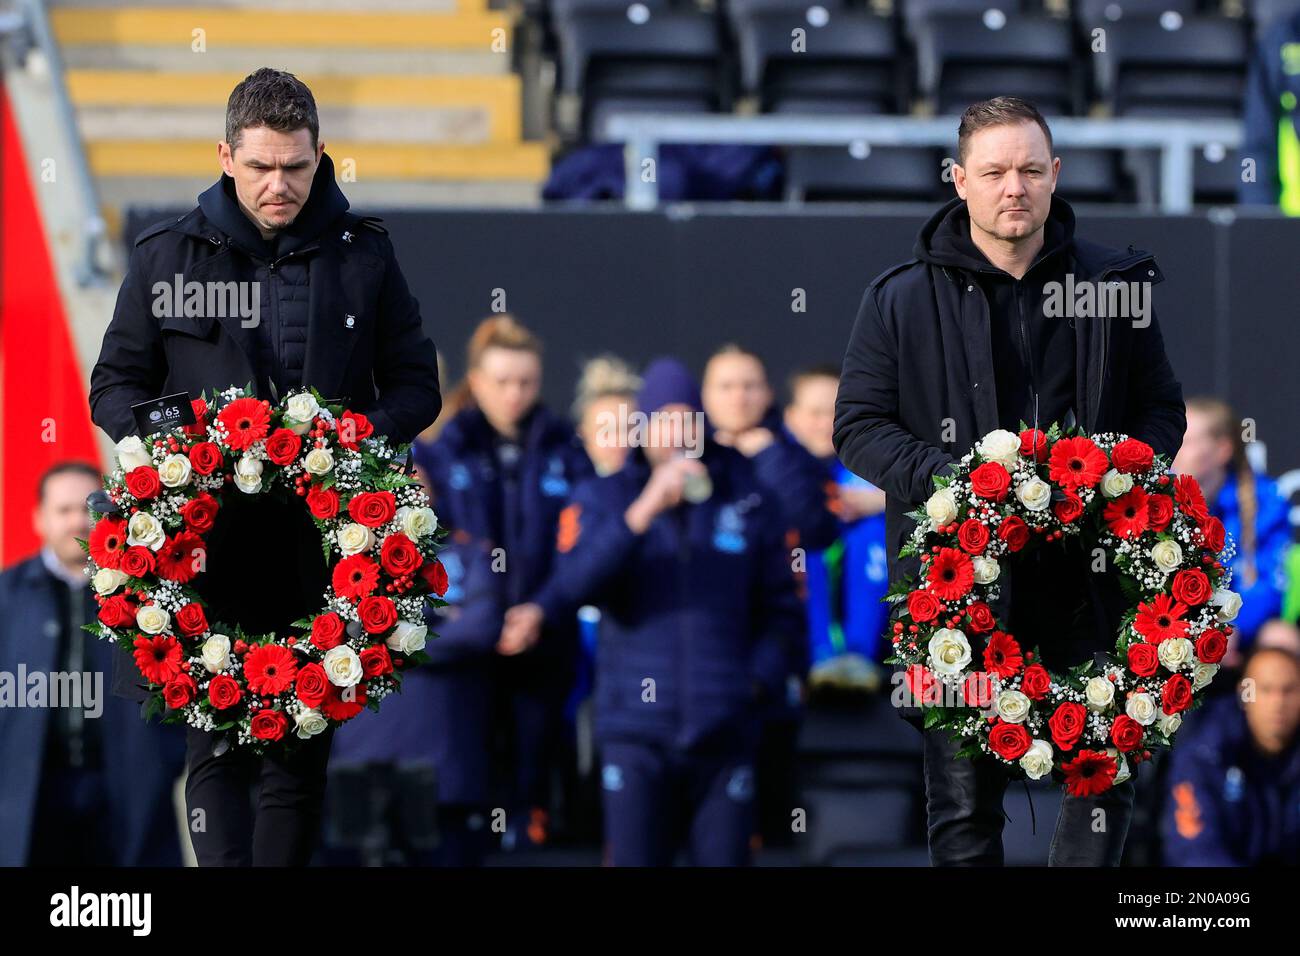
<point>522,629</point>
<point>749,442</point>
<point>662,492</point>
<point>851,504</point>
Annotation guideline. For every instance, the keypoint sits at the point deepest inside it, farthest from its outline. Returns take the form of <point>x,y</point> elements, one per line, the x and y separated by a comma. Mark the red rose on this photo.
<point>973,536</point>
<point>1014,532</point>
<point>1212,531</point>
<point>1132,456</point>
<point>1142,659</point>
<point>224,692</point>
<point>981,618</point>
<point>327,631</point>
<point>921,684</point>
<point>200,426</point>
<point>377,614</point>
<point>1126,733</point>
<point>1191,587</point>
<point>1068,508</point>
<point>323,503</point>
<point>200,513</point>
<point>1160,511</point>
<point>205,457</point>
<point>923,606</point>
<point>179,691</point>
<point>1036,682</point>
<point>977,689</point>
<point>1211,646</point>
<point>375,661</point>
<point>1177,694</point>
<point>1009,741</point>
<point>191,620</point>
<point>399,555</point>
<point>435,576</point>
<point>117,611</point>
<point>372,508</point>
<point>268,724</point>
<point>1033,443</point>
<point>352,427</point>
<point>1067,724</point>
<point>143,482</point>
<point>138,561</point>
<point>283,446</point>
<point>312,685</point>
<point>990,480</point>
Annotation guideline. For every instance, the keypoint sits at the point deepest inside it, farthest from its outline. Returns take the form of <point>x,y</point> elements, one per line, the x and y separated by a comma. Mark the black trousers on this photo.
<point>245,810</point>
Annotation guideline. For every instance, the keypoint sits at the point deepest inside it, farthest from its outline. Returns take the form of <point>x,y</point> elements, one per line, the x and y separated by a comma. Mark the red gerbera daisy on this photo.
<point>343,704</point>
<point>270,669</point>
<point>246,420</point>
<point>355,577</point>
<point>108,542</point>
<point>951,574</point>
<point>1161,619</point>
<point>1076,463</point>
<point>1128,515</point>
<point>1090,773</point>
<point>1002,655</point>
<point>158,657</point>
<point>180,557</point>
<point>1190,498</point>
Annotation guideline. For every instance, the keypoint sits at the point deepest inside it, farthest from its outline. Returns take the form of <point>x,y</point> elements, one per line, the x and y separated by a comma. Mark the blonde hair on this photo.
<point>502,331</point>
<point>604,376</point>
<point>1224,424</point>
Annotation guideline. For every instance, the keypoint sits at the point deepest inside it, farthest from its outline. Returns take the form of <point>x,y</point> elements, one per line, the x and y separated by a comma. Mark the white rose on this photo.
<point>1175,652</point>
<point>1036,762</point>
<point>1115,483</point>
<point>1202,674</point>
<point>216,653</point>
<point>1142,708</point>
<point>1001,446</point>
<point>248,474</point>
<point>354,538</point>
<point>309,723</point>
<point>1228,602</point>
<point>942,507</point>
<point>1012,706</point>
<point>1168,724</point>
<point>950,651</point>
<point>301,409</point>
<point>1035,494</point>
<point>175,471</point>
<point>416,522</point>
<point>1167,555</point>
<point>986,569</point>
<point>318,461</point>
<point>1122,771</point>
<point>108,580</point>
<point>152,619</point>
<point>1099,693</point>
<point>407,637</point>
<point>342,666</point>
<point>144,529</point>
<point>132,453</point>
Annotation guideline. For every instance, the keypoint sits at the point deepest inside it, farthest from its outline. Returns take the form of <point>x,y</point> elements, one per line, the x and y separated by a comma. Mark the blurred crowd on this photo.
<point>648,592</point>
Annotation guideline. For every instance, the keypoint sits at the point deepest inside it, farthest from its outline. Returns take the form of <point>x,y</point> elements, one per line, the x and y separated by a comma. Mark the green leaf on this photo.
<point>933,716</point>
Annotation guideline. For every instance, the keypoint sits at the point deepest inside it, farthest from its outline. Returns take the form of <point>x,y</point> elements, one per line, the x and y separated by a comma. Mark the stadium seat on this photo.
<point>1173,66</point>
<point>1093,175</point>
<point>737,10</point>
<point>880,173</point>
<point>1090,13</point>
<point>1264,13</point>
<point>656,61</point>
<point>963,58</point>
<point>849,62</point>
<point>563,9</point>
<point>915,11</point>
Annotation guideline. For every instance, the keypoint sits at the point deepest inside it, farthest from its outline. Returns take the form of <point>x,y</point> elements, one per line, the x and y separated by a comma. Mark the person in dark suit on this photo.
<point>83,780</point>
<point>297,292</point>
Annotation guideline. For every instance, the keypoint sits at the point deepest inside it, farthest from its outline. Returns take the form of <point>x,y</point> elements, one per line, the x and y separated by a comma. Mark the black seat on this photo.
<point>963,58</point>
<point>737,10</point>
<point>915,11</point>
<point>897,173</point>
<point>848,62</point>
<point>563,9</point>
<point>1173,66</point>
<point>1093,175</point>
<point>1264,13</point>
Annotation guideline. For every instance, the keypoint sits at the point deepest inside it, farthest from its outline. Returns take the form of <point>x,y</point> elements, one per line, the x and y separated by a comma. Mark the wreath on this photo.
<point>974,680</point>
<point>379,536</point>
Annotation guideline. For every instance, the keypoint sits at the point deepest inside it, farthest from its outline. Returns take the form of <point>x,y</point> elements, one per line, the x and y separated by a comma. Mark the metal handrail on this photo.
<point>643,133</point>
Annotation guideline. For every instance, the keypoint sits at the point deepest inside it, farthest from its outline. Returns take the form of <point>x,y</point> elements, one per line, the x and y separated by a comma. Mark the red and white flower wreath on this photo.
<point>1014,493</point>
<point>378,532</point>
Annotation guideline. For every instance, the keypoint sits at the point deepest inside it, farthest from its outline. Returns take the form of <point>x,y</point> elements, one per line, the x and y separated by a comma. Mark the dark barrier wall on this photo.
<point>687,279</point>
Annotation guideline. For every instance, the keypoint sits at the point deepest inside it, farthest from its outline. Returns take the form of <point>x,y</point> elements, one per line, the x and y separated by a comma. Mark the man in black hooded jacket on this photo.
<point>318,300</point>
<point>956,343</point>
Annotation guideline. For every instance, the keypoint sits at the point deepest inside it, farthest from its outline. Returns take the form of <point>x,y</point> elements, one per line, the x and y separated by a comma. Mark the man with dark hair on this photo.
<point>86,781</point>
<point>958,342</point>
<point>311,295</point>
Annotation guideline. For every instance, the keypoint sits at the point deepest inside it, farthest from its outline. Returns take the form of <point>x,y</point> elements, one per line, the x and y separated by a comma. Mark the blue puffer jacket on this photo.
<point>1262,599</point>
<point>698,613</point>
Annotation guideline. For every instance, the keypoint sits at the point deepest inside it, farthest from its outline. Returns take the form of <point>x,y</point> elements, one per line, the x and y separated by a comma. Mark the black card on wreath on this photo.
<point>162,414</point>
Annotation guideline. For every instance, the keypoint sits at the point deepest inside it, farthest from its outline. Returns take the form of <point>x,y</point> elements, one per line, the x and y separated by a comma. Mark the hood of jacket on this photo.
<point>945,239</point>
